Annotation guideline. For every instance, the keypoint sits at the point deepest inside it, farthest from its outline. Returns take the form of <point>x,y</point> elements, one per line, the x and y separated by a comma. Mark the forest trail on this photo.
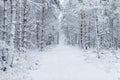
<point>67,63</point>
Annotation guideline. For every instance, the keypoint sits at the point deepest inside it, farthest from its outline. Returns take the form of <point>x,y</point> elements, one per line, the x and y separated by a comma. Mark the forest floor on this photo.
<point>65,63</point>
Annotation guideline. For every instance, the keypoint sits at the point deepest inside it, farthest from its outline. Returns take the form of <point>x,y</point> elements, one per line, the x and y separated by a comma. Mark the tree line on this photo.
<point>92,24</point>
<point>26,25</point>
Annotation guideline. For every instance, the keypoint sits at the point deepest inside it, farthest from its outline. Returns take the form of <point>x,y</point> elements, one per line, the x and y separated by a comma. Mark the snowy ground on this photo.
<point>65,63</point>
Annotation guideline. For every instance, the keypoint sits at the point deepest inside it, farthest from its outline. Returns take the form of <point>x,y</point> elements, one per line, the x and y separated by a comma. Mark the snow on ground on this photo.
<point>109,61</point>
<point>67,63</point>
<point>62,63</point>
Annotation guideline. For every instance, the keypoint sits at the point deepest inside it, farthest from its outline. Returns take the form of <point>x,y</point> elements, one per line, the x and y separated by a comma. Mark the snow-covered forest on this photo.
<point>59,39</point>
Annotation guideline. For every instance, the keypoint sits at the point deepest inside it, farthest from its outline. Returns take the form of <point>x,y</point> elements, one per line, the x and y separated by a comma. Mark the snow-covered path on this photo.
<point>66,63</point>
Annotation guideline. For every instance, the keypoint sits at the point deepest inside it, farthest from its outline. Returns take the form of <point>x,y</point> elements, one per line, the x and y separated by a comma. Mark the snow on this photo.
<point>67,63</point>
<point>60,63</point>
